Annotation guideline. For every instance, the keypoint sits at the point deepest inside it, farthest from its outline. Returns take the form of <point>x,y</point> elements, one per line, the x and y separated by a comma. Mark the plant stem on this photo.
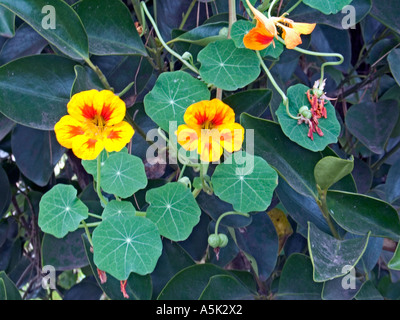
<point>382,160</point>
<point>166,47</point>
<point>294,6</point>
<point>140,213</point>
<point>126,89</point>
<point>270,8</point>
<point>186,16</point>
<point>325,212</point>
<point>95,216</point>
<point>98,189</point>
<point>271,78</point>
<point>232,15</point>
<point>100,74</point>
<point>84,225</point>
<point>227,214</point>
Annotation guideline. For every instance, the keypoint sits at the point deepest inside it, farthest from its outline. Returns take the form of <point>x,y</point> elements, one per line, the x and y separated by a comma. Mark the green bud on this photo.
<point>305,112</point>
<point>223,240</point>
<point>318,92</point>
<point>214,240</point>
<point>187,56</point>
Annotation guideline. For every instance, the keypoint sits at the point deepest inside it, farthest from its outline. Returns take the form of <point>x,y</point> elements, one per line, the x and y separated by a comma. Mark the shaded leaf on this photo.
<point>225,287</point>
<point>330,170</point>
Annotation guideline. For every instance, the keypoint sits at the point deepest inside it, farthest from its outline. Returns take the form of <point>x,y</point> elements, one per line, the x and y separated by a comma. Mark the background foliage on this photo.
<point>282,251</point>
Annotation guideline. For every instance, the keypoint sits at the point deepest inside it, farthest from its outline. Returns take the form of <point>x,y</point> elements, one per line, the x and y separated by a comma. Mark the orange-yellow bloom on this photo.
<point>209,128</point>
<point>95,122</point>
<point>261,36</point>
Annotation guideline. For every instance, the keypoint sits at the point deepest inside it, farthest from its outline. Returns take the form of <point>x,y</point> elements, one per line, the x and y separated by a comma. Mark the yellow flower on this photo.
<point>263,34</point>
<point>95,122</point>
<point>210,127</point>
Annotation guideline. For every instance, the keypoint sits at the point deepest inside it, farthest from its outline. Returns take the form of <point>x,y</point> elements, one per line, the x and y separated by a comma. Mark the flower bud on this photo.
<point>214,240</point>
<point>223,240</point>
<point>187,56</point>
<point>305,112</point>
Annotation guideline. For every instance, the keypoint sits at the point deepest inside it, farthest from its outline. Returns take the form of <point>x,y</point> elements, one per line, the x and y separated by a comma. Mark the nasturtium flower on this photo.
<point>209,128</point>
<point>262,35</point>
<point>94,122</point>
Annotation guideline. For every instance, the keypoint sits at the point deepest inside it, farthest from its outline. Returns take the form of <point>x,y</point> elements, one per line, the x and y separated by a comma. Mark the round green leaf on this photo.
<point>228,67</point>
<point>5,192</point>
<point>298,132</point>
<point>118,208</point>
<point>138,287</point>
<point>171,95</point>
<point>35,90</point>
<point>248,186</point>
<point>330,170</point>
<point>329,255</point>
<point>68,34</point>
<point>123,174</point>
<point>174,210</point>
<point>125,244</point>
<point>372,123</point>
<point>327,6</point>
<point>360,214</point>
<point>110,27</point>
<point>60,211</point>
<point>7,23</point>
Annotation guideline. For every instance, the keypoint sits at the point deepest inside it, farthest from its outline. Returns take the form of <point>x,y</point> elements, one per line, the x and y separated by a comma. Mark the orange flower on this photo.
<point>263,34</point>
<point>210,127</point>
<point>95,122</point>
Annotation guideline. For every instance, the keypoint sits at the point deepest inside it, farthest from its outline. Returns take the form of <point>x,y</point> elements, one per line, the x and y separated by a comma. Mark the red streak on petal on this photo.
<point>91,143</point>
<point>106,113</point>
<point>114,135</point>
<point>88,112</point>
<point>75,131</point>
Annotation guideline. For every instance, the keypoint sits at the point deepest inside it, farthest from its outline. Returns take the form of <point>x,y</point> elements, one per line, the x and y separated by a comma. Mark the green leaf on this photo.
<point>225,287</point>
<point>174,210</point>
<point>5,192</point>
<point>334,289</point>
<point>189,283</point>
<point>203,34</point>
<point>296,166</point>
<point>24,99</point>
<point>296,281</point>
<point>330,170</point>
<point>69,35</point>
<point>228,67</point>
<point>368,292</point>
<point>360,214</point>
<point>253,101</point>
<point>394,64</point>
<point>64,254</point>
<point>372,123</point>
<point>394,262</point>
<point>327,6</point>
<point>39,153</point>
<point>86,79</point>
<point>329,255</point>
<point>392,184</point>
<point>171,95</point>
<point>110,27</point>
<point>7,23</point>
<point>125,244</point>
<point>118,208</point>
<point>60,211</point>
<point>3,293</point>
<point>248,185</point>
<point>299,132</point>
<point>386,13</point>
<point>9,290</point>
<point>123,174</point>
<point>138,287</point>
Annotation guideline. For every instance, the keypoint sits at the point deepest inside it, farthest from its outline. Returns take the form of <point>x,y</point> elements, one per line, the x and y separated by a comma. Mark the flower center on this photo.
<point>207,125</point>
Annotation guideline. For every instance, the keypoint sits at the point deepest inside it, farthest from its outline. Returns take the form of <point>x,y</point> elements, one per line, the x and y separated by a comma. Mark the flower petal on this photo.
<point>292,37</point>
<point>268,24</point>
<point>209,147</point>
<point>258,38</point>
<point>110,107</point>
<point>81,105</point>
<point>232,136</point>
<point>198,113</point>
<point>116,137</point>
<point>67,129</point>
<point>304,28</point>
<point>188,137</point>
<point>86,147</point>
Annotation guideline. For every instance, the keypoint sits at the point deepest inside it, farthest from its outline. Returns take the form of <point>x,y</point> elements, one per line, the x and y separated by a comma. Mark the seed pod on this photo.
<point>214,240</point>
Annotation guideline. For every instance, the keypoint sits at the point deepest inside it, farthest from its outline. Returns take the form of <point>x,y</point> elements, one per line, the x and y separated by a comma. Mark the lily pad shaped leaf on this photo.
<point>298,133</point>
<point>125,244</point>
<point>123,174</point>
<point>228,67</point>
<point>327,6</point>
<point>174,210</point>
<point>118,208</point>
<point>245,181</point>
<point>172,93</point>
<point>60,211</point>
